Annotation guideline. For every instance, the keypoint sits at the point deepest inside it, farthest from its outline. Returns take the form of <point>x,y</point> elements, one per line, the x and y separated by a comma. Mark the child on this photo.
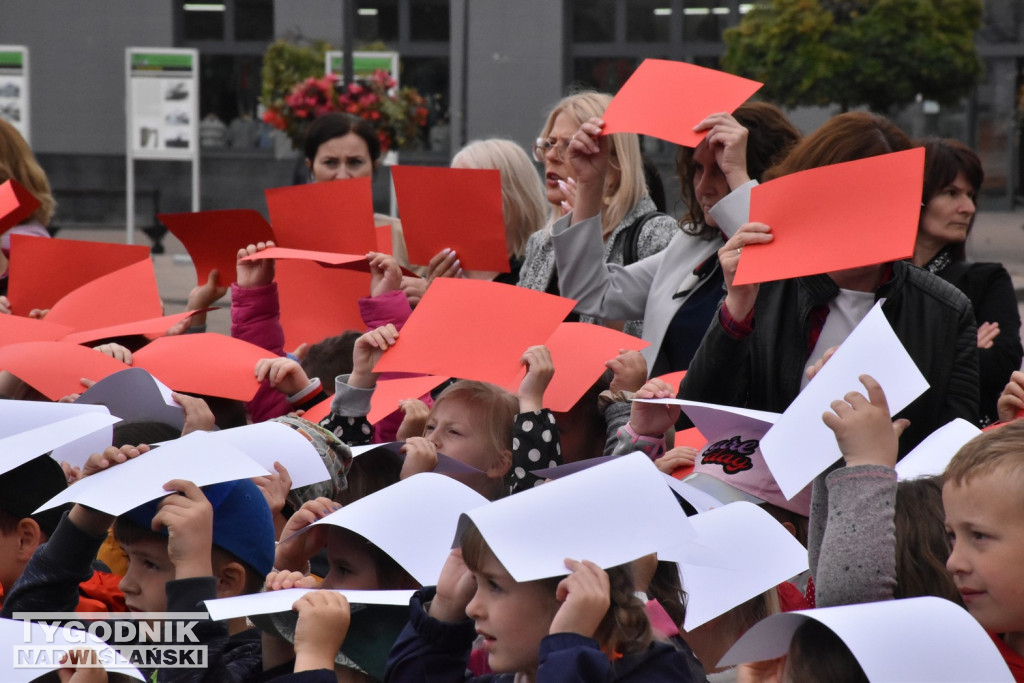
<point>985,520</point>
<point>586,626</point>
<point>22,490</point>
<point>212,542</point>
<point>474,422</point>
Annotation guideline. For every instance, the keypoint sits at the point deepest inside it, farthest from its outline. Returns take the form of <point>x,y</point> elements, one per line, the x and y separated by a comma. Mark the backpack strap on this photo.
<point>631,237</point>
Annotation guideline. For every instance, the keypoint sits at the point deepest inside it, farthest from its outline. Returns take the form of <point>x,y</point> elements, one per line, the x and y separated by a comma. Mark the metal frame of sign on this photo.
<point>14,88</point>
<point>162,112</point>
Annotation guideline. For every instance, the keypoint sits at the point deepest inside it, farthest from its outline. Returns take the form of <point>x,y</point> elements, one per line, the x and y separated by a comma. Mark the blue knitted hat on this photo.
<point>242,523</point>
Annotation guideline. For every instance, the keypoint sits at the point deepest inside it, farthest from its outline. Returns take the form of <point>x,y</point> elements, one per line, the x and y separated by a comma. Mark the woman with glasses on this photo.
<point>630,226</point>
<point>676,291</point>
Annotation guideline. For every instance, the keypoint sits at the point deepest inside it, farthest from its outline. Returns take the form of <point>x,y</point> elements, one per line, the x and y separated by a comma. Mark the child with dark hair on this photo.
<point>588,625</point>
<point>193,545</point>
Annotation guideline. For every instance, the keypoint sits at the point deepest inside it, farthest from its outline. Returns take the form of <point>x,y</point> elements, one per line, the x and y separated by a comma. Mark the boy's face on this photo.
<point>985,520</point>
<point>149,570</point>
<point>352,565</point>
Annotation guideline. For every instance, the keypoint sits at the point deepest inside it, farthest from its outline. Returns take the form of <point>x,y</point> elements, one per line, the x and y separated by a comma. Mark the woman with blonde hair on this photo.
<point>17,162</point>
<point>522,202</point>
<point>631,227</point>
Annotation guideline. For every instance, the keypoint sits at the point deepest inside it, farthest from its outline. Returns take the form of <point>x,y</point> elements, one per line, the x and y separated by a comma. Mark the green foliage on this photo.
<point>286,63</point>
<point>879,53</point>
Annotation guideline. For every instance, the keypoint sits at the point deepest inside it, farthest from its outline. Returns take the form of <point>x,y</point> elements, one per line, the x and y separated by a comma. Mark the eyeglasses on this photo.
<point>541,147</point>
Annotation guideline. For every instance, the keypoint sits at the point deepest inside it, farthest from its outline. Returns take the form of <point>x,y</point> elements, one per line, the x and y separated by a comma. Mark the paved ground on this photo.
<point>998,236</point>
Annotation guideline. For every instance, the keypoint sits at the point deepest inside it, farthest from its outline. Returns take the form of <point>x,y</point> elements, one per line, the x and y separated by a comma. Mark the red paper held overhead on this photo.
<point>207,363</point>
<point>474,329</point>
<point>213,238</point>
<point>150,327</point>
<point>43,269</point>
<point>55,368</point>
<point>849,215</point>
<point>390,391</point>
<point>124,296</point>
<point>318,302</point>
<point>666,99</point>
<point>579,352</point>
<point>16,204</point>
<point>455,208</point>
<point>334,216</point>
<point>15,329</point>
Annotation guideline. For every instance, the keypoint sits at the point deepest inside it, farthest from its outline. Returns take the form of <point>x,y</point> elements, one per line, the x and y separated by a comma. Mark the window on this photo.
<point>231,36</point>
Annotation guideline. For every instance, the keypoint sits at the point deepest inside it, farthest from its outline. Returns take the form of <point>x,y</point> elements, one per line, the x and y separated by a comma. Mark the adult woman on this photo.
<point>341,146</point>
<point>522,202</point>
<point>623,201</point>
<point>17,162</point>
<point>766,336</point>
<point>952,178</point>
<point>677,290</point>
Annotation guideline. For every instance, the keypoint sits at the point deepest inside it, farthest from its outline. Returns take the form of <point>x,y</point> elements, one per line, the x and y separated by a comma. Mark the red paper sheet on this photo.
<point>318,411</point>
<point>838,217</point>
<point>151,327</point>
<point>15,329</point>
<point>43,269</point>
<point>457,208</point>
<point>207,363</point>
<point>213,238</point>
<point>385,241</point>
<point>326,259</point>
<point>385,397</point>
<point>579,352</point>
<point>16,204</point>
<point>474,329</point>
<point>318,302</point>
<point>666,99</point>
<point>332,216</point>
<point>126,295</point>
<point>55,368</point>
<point>390,391</point>
<point>673,379</point>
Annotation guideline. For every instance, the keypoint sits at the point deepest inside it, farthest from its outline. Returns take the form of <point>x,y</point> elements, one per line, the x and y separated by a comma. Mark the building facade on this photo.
<point>487,67</point>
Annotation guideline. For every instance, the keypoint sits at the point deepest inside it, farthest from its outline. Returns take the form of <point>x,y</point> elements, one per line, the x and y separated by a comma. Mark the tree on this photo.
<point>879,53</point>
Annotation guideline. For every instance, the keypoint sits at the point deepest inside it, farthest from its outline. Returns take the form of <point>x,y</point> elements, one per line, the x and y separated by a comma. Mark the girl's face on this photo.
<point>352,566</point>
<point>512,617</point>
<point>948,214</point>
<point>341,158</point>
<point>457,430</point>
<point>556,160</point>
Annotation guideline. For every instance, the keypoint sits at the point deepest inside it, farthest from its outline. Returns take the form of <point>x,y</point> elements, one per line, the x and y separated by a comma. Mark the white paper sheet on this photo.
<point>413,521</point>
<point>12,635</point>
<point>800,446</point>
<point>610,514</point>
<point>196,457</point>
<point>134,394</point>
<point>930,457</point>
<point>700,500</point>
<point>270,602</point>
<point>929,640</point>
<point>20,416</point>
<point>266,442</point>
<point>18,449</point>
<point>739,552</point>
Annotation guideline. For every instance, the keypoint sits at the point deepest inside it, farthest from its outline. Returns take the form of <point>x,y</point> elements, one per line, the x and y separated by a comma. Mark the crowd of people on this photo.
<point>587,227</point>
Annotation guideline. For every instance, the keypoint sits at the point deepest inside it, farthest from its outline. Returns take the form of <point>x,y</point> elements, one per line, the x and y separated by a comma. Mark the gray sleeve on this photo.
<point>616,415</point>
<point>350,401</point>
<point>603,290</point>
<point>857,558</point>
<point>733,210</point>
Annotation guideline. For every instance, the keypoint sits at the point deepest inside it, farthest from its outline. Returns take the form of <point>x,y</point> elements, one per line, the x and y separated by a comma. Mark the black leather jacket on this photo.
<point>933,319</point>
